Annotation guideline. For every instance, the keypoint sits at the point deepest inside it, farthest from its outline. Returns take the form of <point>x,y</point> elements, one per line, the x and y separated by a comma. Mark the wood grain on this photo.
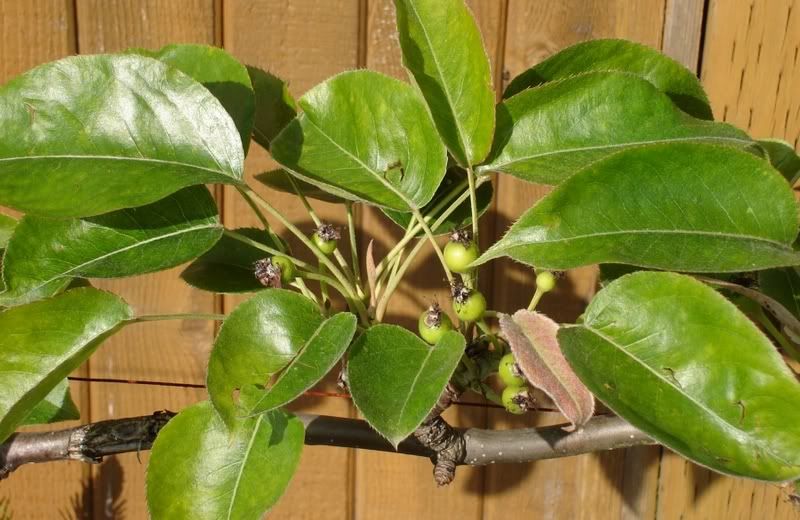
<point>752,75</point>
<point>583,486</point>
<point>303,42</point>
<point>683,25</point>
<point>163,351</point>
<point>32,33</point>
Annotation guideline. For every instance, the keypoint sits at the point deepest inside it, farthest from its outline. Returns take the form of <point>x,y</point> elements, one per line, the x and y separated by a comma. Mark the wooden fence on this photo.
<point>746,52</point>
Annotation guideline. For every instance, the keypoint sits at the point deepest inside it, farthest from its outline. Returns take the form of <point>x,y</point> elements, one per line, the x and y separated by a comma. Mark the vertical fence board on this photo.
<point>303,42</point>
<point>751,73</point>
<point>579,487</point>
<point>163,351</point>
<point>389,486</point>
<point>32,33</point>
<point>683,25</point>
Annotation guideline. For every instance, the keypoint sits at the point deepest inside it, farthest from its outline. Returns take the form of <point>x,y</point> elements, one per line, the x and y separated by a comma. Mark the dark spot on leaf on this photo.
<point>671,376</point>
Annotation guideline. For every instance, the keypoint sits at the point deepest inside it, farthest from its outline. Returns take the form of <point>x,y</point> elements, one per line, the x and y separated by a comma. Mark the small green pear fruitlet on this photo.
<point>275,271</point>
<point>326,238</point>
<point>433,324</point>
<point>509,371</point>
<point>517,399</point>
<point>469,304</point>
<point>545,281</point>
<point>460,252</point>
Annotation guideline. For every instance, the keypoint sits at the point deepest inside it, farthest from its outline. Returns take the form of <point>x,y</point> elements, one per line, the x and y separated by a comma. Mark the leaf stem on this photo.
<point>327,280</point>
<point>537,295</point>
<point>414,227</point>
<point>258,245</point>
<point>351,231</point>
<point>301,286</point>
<point>184,316</point>
<point>432,240</point>
<point>318,222</point>
<point>473,206</point>
<point>347,287</point>
<point>785,344</point>
<point>323,289</point>
<point>395,278</point>
<point>262,218</point>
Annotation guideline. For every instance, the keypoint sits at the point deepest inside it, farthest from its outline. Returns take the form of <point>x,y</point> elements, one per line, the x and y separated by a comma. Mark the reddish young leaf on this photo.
<point>533,340</point>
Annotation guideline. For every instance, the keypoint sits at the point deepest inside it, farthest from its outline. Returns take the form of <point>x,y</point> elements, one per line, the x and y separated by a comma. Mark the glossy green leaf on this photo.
<point>55,407</point>
<point>91,134</point>
<point>315,359</point>
<point>669,76</point>
<point>443,50</point>
<point>202,470</point>
<point>258,339</point>
<point>395,378</point>
<point>228,266</point>
<point>547,133</point>
<point>365,136</point>
<point>7,226</point>
<point>44,341</point>
<point>45,254</point>
<point>460,218</point>
<point>680,362</point>
<point>681,206</point>
<point>275,107</point>
<point>281,180</point>
<point>218,71</point>
<point>782,157</point>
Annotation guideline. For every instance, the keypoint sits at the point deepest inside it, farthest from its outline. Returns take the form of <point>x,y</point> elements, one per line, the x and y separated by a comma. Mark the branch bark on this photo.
<point>472,446</point>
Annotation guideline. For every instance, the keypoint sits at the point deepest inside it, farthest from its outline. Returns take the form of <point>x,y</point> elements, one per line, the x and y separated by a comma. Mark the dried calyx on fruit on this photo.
<point>274,272</point>
<point>518,399</point>
<point>433,324</point>
<point>326,237</point>
<point>469,304</point>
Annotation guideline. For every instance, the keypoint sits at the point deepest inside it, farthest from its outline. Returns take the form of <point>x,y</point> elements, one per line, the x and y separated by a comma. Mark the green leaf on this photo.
<point>309,366</point>
<point>45,254</point>
<point>281,180</point>
<point>200,469</point>
<point>681,206</point>
<point>91,134</point>
<point>228,267</point>
<point>44,341</point>
<point>461,217</point>
<point>680,362</point>
<point>257,340</point>
<point>443,51</point>
<point>547,133</point>
<point>218,71</point>
<point>275,107</point>
<point>782,157</point>
<point>669,76</point>
<point>55,407</point>
<point>533,340</point>
<point>365,136</point>
<point>7,226</point>
<point>395,378</point>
